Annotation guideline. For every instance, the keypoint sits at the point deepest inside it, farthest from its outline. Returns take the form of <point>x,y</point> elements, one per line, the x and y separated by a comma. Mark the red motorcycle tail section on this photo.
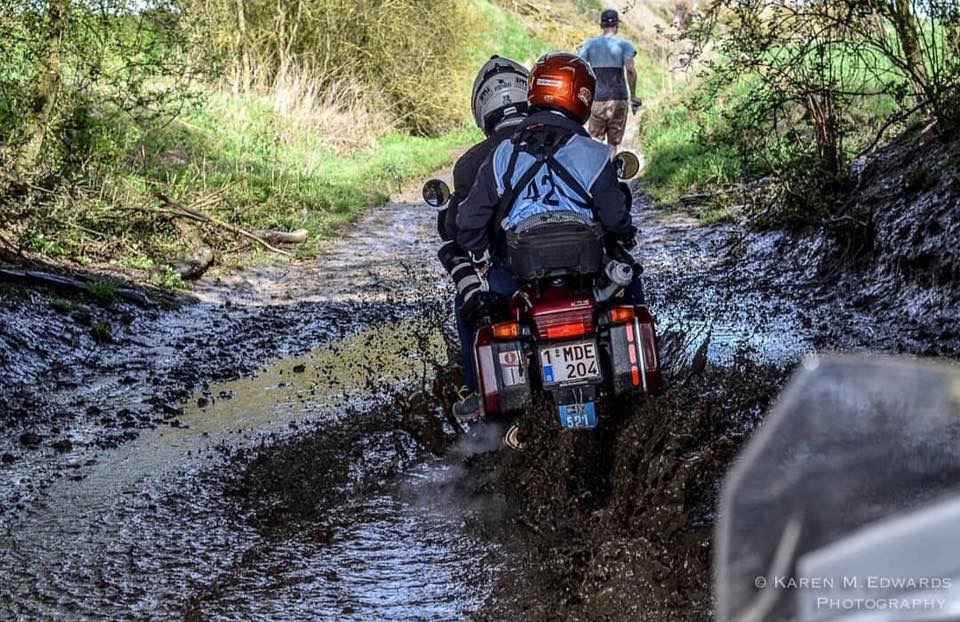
<point>501,371</point>
<point>560,315</point>
<point>634,359</point>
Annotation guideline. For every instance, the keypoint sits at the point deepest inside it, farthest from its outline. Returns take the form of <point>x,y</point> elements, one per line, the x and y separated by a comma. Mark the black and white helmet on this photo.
<point>499,91</point>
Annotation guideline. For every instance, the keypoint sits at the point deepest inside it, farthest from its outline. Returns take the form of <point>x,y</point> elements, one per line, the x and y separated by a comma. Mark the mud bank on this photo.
<point>882,274</point>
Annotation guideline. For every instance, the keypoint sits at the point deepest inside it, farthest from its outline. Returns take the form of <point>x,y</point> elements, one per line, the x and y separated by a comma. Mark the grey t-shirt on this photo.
<point>606,55</point>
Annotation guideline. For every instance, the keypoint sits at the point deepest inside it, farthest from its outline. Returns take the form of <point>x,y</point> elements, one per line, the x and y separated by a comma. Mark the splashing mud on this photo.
<point>313,489</point>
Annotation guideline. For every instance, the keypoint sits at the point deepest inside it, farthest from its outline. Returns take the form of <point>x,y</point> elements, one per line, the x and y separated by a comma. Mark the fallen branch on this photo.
<point>36,277</point>
<point>176,209</point>
<point>883,128</point>
<point>283,237</point>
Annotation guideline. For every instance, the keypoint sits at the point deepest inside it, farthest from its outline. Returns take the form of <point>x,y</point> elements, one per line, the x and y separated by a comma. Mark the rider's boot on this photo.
<point>469,408</point>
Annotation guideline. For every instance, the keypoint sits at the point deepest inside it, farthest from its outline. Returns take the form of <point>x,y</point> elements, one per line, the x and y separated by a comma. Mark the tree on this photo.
<point>67,67</point>
<point>43,113</point>
<point>812,75</point>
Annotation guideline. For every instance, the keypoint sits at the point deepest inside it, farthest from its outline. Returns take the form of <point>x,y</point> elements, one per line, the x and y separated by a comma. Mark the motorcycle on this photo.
<point>564,334</point>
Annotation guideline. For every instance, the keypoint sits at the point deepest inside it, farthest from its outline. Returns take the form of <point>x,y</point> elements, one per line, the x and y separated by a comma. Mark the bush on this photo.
<point>408,55</point>
<point>797,90</point>
<point>69,69</point>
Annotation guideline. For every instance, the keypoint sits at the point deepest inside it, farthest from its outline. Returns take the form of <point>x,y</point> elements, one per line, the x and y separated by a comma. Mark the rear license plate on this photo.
<point>575,416</point>
<point>570,363</point>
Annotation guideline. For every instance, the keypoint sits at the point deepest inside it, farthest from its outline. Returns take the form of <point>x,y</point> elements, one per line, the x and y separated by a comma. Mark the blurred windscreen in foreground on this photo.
<point>845,505</point>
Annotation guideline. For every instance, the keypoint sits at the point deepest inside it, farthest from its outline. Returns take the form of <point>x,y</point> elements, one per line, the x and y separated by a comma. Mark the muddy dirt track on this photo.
<point>277,449</point>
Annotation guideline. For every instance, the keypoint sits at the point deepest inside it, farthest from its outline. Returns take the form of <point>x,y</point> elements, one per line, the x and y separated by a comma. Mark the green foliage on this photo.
<point>103,290</point>
<point>167,278</point>
<point>794,95</point>
<point>62,305</point>
<point>137,261</point>
<point>37,242</point>
<point>69,68</point>
<point>101,332</point>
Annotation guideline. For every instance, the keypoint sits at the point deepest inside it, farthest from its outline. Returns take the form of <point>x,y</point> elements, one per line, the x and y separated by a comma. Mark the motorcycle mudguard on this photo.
<point>633,355</point>
<point>502,374</point>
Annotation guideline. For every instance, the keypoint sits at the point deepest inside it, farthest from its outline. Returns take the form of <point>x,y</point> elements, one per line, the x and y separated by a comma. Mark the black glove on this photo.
<point>481,262</point>
<point>483,309</point>
<point>626,241</point>
<point>635,104</point>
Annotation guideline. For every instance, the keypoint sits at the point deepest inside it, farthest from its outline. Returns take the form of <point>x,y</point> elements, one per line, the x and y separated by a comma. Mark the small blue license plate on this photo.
<point>577,416</point>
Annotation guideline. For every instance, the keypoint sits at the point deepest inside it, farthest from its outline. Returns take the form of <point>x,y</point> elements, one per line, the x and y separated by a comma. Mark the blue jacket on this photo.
<point>584,158</point>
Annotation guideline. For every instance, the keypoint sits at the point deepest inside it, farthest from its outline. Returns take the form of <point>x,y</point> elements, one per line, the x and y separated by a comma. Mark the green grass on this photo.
<point>62,305</point>
<point>168,279</point>
<point>39,243</point>
<point>678,158</point>
<point>136,261</point>
<point>270,175</point>
<point>103,290</point>
<point>506,36</point>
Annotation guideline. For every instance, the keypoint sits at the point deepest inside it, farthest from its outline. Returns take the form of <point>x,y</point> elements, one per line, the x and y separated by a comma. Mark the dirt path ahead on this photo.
<point>287,485</point>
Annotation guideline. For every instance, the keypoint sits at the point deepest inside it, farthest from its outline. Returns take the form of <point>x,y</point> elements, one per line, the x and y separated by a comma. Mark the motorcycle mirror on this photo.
<point>627,165</point>
<point>436,193</point>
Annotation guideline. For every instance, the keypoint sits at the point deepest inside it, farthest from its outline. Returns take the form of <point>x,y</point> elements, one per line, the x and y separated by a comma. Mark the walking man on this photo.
<point>610,56</point>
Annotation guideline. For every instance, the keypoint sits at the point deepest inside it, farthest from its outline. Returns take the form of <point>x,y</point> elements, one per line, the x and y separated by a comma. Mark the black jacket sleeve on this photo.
<point>478,210</point>
<point>612,202</point>
<point>464,174</point>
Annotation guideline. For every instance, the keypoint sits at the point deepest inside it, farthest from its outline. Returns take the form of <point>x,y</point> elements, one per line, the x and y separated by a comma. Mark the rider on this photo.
<point>549,164</point>
<point>499,104</point>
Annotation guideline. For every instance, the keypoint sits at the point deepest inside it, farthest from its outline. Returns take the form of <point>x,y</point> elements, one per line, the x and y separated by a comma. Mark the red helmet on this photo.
<point>563,81</point>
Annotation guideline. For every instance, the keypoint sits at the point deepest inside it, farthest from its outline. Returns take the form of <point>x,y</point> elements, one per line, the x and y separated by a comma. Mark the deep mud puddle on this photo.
<point>148,530</point>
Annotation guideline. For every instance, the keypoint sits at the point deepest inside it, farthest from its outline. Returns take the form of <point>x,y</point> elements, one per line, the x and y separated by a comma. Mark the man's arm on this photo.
<point>629,57</point>
<point>478,209</point>
<point>631,68</point>
<point>464,174</point>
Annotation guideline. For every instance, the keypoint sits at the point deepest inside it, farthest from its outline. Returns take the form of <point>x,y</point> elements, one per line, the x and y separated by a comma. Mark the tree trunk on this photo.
<point>909,35</point>
<point>43,115</point>
<point>243,76</point>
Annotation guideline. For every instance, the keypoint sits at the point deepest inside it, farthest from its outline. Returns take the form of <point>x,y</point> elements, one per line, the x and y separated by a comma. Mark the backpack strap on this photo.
<point>567,178</point>
<point>542,142</point>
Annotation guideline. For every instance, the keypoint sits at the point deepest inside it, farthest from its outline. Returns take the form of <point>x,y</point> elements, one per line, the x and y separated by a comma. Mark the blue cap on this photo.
<point>609,18</point>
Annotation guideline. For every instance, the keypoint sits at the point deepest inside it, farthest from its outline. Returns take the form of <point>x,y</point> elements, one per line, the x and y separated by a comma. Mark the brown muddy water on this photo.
<point>297,490</point>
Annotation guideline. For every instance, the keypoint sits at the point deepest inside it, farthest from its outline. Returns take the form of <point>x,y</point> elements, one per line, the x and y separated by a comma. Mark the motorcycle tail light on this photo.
<point>621,315</point>
<point>506,330</point>
<point>567,323</point>
<point>572,329</point>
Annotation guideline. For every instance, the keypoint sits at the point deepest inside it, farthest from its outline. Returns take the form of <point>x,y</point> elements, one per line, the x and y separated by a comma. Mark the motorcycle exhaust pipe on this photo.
<point>615,276</point>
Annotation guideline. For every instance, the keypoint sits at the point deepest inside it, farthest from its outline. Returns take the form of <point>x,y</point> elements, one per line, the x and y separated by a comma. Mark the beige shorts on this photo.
<point>608,121</point>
